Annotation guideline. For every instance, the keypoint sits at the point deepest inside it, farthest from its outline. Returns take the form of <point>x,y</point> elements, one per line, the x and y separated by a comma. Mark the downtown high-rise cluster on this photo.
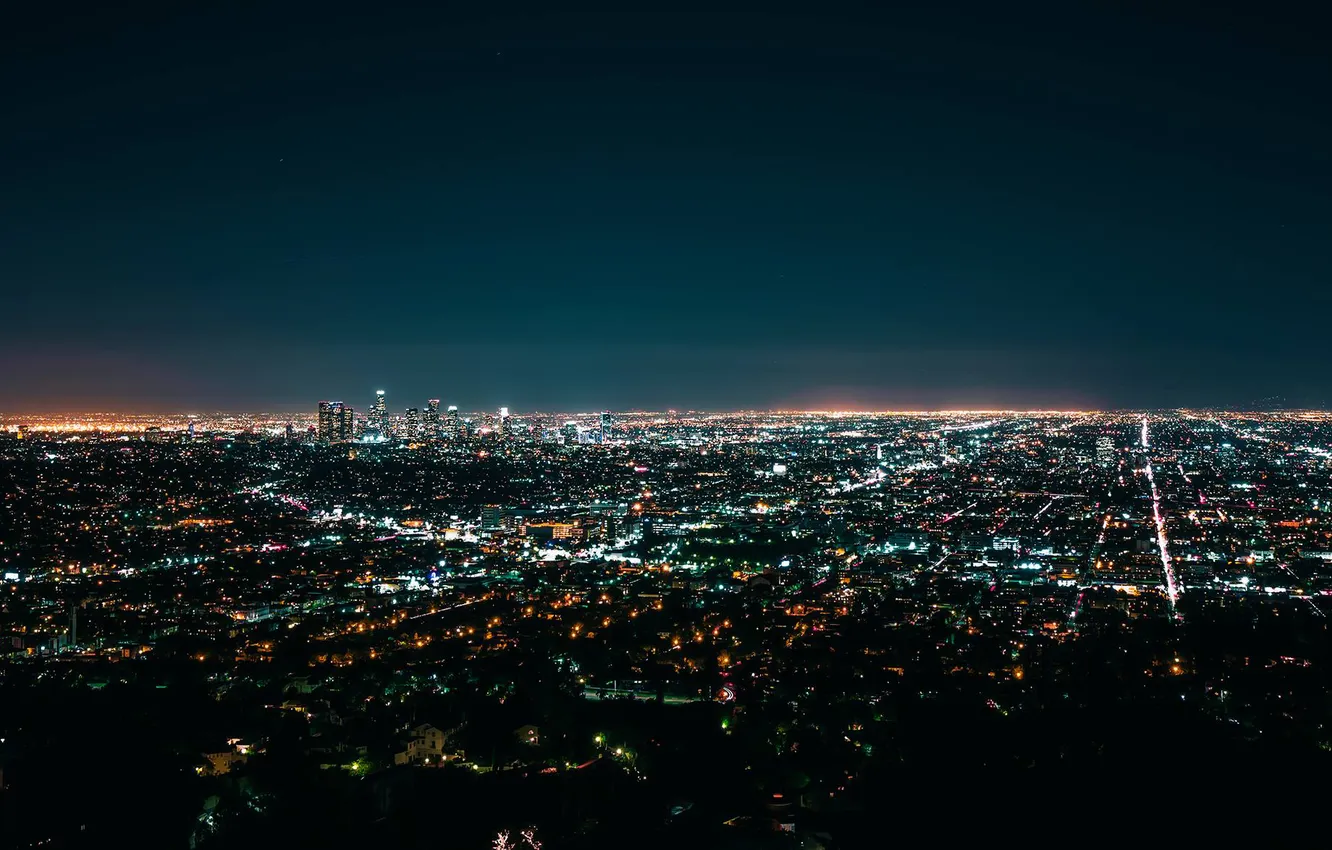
<point>338,422</point>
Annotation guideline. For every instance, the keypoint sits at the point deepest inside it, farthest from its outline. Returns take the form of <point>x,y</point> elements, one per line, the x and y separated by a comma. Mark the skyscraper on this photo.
<point>328,420</point>
<point>379,414</point>
<point>607,428</point>
<point>504,421</point>
<point>570,432</point>
<point>337,422</point>
<point>432,419</point>
<point>454,423</point>
<point>413,423</point>
<point>1105,451</point>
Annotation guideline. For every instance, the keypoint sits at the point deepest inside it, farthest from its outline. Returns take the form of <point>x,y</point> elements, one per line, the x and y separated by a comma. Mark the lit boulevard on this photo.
<point>1168,569</point>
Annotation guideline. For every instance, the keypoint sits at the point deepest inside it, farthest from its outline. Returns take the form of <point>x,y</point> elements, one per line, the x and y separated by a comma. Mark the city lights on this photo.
<point>461,591</point>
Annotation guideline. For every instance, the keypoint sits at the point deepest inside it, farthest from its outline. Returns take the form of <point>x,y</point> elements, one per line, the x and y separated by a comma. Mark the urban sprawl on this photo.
<point>572,628</point>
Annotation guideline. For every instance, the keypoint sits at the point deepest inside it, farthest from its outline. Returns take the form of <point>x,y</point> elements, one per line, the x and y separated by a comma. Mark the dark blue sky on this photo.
<point>1051,207</point>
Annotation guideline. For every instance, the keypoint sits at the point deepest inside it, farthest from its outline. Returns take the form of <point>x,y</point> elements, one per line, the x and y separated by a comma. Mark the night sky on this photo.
<point>1035,206</point>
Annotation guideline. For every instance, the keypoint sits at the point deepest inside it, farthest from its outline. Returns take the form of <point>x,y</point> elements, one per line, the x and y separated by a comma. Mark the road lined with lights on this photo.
<point>955,514</point>
<point>1172,587</point>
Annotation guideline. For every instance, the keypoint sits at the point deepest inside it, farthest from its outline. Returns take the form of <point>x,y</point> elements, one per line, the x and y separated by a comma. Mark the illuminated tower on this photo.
<point>607,428</point>
<point>413,420</point>
<point>432,419</point>
<point>570,432</point>
<point>1105,451</point>
<point>379,414</point>
<point>329,412</point>
<point>492,517</point>
<point>504,421</point>
<point>337,422</point>
<point>454,422</point>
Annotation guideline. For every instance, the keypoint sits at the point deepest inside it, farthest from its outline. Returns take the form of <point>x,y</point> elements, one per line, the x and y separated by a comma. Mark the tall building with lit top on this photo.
<point>379,414</point>
<point>503,424</point>
<point>454,422</point>
<point>432,423</point>
<point>607,431</point>
<point>413,423</point>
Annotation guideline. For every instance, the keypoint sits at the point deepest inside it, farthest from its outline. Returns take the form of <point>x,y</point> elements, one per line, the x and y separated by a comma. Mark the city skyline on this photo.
<point>16,416</point>
<point>376,410</point>
<point>438,425</point>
